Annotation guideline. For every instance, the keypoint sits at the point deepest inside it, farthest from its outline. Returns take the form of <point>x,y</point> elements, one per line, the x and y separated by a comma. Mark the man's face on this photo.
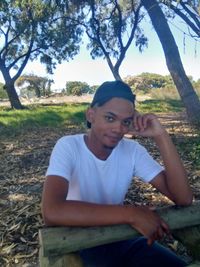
<point>111,121</point>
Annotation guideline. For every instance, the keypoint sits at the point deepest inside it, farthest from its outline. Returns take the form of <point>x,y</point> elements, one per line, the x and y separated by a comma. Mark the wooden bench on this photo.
<point>58,245</point>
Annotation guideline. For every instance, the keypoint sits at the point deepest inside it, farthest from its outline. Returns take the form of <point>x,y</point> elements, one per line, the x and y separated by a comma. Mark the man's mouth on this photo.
<point>114,139</point>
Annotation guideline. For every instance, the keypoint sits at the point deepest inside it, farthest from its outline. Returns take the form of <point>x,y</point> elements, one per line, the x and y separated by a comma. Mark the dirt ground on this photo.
<point>23,162</point>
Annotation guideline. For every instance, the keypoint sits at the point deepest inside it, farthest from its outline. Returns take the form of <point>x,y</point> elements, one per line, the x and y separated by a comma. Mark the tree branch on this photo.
<point>120,26</point>
<point>124,50</point>
<point>185,18</point>
<point>193,15</point>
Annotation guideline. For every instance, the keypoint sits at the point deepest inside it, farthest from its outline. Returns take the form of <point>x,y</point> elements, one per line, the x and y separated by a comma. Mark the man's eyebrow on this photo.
<point>110,113</point>
<point>114,115</point>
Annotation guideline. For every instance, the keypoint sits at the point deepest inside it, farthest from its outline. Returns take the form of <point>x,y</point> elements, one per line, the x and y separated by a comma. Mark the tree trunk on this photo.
<point>173,60</point>
<point>113,68</point>
<point>10,87</point>
<point>37,92</point>
<point>116,74</point>
<point>13,97</point>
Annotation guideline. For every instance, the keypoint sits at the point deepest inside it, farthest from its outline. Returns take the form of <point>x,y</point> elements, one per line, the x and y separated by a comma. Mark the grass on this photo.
<point>159,106</point>
<point>13,121</point>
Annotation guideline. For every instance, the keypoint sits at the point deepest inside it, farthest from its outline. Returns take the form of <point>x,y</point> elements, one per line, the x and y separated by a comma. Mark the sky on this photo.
<point>94,72</point>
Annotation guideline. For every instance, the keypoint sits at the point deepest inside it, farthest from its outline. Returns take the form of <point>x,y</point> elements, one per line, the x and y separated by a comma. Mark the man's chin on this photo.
<point>111,142</point>
<point>109,147</point>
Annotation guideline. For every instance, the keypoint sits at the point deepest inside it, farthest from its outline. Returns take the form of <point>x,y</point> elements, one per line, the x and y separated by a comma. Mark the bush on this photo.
<point>145,82</point>
<point>78,88</point>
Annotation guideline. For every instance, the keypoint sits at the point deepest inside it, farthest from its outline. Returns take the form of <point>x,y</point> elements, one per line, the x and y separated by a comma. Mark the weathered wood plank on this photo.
<point>68,260</point>
<point>62,240</point>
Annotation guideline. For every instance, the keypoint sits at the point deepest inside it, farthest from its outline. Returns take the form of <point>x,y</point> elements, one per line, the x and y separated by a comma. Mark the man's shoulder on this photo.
<point>70,139</point>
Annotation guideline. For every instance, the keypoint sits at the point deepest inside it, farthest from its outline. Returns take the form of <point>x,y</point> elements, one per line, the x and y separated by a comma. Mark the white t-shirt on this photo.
<point>100,181</point>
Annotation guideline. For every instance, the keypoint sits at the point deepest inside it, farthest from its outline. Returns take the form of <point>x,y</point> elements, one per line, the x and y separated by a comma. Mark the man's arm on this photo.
<point>173,181</point>
<point>57,211</point>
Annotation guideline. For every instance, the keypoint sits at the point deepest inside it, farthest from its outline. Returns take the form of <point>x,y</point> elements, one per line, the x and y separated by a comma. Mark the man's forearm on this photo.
<point>78,213</point>
<point>176,177</point>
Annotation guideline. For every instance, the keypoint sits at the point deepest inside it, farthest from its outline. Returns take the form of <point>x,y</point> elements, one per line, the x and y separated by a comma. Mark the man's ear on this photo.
<point>90,115</point>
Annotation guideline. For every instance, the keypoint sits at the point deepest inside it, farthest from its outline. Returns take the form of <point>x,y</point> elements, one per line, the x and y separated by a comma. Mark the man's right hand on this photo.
<point>146,221</point>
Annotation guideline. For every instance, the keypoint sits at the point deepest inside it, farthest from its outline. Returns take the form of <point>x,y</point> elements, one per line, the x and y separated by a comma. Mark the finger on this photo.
<point>140,123</point>
<point>135,121</point>
<point>145,121</point>
<point>160,233</point>
<point>165,227</point>
<point>151,239</point>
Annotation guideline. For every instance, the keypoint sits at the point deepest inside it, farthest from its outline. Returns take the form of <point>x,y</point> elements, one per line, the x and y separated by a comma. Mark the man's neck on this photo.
<point>101,152</point>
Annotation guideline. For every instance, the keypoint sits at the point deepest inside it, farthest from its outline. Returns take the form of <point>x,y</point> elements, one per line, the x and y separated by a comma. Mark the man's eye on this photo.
<point>127,123</point>
<point>109,118</point>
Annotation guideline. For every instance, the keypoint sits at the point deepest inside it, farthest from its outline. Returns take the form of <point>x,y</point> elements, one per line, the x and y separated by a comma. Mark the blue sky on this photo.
<point>94,72</point>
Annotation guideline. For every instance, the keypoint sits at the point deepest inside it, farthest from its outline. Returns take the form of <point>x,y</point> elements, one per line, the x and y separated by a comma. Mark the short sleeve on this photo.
<point>61,159</point>
<point>145,167</point>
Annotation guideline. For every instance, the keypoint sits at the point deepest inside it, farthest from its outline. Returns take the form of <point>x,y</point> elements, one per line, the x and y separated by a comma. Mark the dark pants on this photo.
<point>130,253</point>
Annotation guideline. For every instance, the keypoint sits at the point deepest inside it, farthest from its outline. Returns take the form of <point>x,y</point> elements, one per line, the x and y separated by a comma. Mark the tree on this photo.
<point>40,85</point>
<point>31,29</point>
<point>173,60</point>
<point>147,81</point>
<point>77,88</point>
<point>111,27</point>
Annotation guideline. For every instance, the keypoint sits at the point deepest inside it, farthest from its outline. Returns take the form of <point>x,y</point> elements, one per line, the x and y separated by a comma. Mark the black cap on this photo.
<point>108,90</point>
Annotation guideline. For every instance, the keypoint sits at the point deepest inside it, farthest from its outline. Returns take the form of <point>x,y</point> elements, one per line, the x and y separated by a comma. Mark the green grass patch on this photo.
<point>160,106</point>
<point>14,121</point>
<point>41,116</point>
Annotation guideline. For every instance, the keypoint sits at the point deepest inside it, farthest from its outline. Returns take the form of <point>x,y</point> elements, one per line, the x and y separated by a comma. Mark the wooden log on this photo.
<point>62,240</point>
<point>70,259</point>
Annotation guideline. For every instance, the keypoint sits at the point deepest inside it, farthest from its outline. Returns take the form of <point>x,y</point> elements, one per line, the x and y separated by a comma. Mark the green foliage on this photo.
<point>38,28</point>
<point>3,94</point>
<point>34,85</point>
<point>78,88</point>
<point>147,81</point>
<point>108,22</point>
<point>30,29</point>
<point>111,26</point>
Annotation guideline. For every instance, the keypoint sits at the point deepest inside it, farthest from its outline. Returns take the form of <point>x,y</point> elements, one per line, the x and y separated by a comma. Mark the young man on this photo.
<point>89,175</point>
